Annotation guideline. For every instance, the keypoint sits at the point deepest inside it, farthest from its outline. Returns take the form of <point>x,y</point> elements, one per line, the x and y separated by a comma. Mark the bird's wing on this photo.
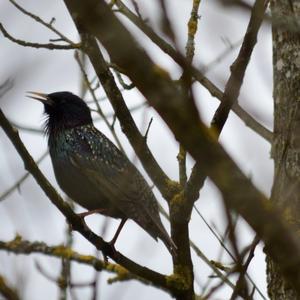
<point>109,170</point>
<point>114,175</point>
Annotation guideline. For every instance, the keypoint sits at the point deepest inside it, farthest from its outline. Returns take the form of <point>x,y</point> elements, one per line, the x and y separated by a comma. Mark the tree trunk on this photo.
<point>286,143</point>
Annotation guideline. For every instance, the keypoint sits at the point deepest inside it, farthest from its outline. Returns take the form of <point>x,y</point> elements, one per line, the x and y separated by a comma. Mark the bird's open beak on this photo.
<point>44,98</point>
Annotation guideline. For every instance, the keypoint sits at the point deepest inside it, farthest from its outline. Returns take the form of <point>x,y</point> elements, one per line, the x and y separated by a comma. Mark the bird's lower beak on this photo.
<point>40,97</point>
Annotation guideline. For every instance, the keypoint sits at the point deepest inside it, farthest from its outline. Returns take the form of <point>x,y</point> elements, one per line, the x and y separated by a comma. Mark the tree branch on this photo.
<point>49,46</point>
<point>20,246</point>
<point>39,20</point>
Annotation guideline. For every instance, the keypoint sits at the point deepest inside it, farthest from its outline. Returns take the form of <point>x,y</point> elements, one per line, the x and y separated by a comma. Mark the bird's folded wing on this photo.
<point>122,186</point>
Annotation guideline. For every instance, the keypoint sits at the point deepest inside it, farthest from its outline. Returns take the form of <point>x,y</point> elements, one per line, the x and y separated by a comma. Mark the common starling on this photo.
<point>92,171</point>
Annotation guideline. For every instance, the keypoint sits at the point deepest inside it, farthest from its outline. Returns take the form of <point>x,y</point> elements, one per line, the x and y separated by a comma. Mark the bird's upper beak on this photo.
<point>44,98</point>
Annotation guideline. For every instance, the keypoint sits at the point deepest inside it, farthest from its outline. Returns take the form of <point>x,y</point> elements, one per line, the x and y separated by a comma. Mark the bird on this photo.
<point>92,171</point>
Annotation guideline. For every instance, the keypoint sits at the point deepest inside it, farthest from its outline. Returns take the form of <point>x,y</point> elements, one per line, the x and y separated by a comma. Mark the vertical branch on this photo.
<point>65,274</point>
<point>181,157</point>
<point>243,287</point>
<point>190,51</point>
<point>232,90</point>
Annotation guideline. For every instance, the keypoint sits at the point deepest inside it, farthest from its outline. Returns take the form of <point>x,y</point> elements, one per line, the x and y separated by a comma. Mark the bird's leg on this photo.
<point>91,212</point>
<point>112,242</point>
<point>87,213</point>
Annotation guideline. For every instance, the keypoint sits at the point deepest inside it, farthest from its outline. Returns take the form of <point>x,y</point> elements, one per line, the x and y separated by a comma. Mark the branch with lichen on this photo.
<point>20,246</point>
<point>190,51</point>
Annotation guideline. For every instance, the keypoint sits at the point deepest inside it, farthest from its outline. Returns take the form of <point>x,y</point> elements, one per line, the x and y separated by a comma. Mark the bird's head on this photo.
<point>64,110</point>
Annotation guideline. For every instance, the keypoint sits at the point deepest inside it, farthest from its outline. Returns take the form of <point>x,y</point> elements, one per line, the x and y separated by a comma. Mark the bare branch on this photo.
<point>49,46</point>
<point>18,183</point>
<point>244,268</point>
<point>238,68</point>
<point>39,20</point>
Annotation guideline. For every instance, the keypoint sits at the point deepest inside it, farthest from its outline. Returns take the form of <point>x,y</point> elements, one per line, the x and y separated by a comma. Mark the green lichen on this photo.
<point>121,271</point>
<point>15,242</point>
<point>86,258</point>
<point>176,281</point>
<point>178,199</point>
<point>192,27</point>
<point>185,272</point>
<point>172,186</point>
<point>62,251</point>
<point>181,279</point>
<point>177,203</point>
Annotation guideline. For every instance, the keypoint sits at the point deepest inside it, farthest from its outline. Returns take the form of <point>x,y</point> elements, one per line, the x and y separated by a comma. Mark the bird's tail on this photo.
<point>167,240</point>
<point>159,231</point>
<point>169,244</point>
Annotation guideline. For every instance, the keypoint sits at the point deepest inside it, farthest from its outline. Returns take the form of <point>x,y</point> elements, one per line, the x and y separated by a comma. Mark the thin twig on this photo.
<point>122,82</point>
<point>186,80</point>
<point>17,184</point>
<point>49,46</point>
<point>39,20</point>
<point>64,280</point>
<point>221,56</point>
<point>244,268</point>
<point>227,250</point>
<point>5,87</point>
<point>202,256</point>
<point>238,68</point>
<point>147,130</point>
<point>242,289</point>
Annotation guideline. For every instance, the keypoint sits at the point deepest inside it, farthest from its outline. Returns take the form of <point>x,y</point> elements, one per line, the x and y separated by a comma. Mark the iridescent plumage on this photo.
<point>93,171</point>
